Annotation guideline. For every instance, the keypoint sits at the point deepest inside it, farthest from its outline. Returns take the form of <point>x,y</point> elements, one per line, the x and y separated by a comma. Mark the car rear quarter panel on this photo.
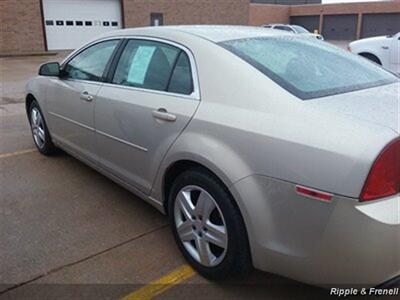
<point>341,242</point>
<point>246,124</point>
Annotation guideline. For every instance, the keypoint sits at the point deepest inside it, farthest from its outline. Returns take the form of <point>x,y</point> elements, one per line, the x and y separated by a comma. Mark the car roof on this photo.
<point>214,33</point>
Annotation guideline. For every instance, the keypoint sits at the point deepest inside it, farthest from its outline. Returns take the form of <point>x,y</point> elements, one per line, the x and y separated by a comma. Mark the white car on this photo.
<point>383,50</point>
<point>296,29</point>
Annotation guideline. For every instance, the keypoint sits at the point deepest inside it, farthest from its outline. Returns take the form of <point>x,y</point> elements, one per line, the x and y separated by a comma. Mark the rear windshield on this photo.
<point>309,68</point>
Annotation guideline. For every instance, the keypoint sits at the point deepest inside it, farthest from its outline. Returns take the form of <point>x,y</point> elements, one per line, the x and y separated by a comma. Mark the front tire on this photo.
<point>40,132</point>
<point>207,225</point>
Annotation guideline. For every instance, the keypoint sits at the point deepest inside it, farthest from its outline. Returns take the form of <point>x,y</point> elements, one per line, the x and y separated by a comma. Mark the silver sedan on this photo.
<point>264,149</point>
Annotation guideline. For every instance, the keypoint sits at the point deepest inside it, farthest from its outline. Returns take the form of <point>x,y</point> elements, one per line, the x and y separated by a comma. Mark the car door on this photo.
<point>395,54</point>
<point>71,98</point>
<point>152,95</point>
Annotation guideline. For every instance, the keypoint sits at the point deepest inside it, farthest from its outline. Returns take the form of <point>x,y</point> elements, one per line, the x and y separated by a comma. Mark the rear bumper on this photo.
<point>340,243</point>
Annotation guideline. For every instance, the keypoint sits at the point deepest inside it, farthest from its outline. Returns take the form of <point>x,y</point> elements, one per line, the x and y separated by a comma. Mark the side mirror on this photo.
<point>50,69</point>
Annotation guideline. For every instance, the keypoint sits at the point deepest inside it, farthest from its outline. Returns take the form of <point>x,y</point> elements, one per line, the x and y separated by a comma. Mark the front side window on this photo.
<point>155,66</point>
<point>308,68</point>
<point>91,63</point>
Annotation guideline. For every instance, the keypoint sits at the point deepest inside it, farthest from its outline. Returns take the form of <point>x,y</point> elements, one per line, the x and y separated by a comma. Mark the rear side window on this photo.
<point>309,68</point>
<point>181,78</point>
<point>155,66</point>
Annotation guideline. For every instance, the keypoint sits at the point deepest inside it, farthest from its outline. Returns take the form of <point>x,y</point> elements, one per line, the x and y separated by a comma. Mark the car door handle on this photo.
<point>86,96</point>
<point>163,114</point>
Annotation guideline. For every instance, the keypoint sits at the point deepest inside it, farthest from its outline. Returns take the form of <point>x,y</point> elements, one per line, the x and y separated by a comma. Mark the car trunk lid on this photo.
<point>378,105</point>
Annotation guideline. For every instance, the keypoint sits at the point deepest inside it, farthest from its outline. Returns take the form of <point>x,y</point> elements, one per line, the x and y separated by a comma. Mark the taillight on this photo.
<point>384,177</point>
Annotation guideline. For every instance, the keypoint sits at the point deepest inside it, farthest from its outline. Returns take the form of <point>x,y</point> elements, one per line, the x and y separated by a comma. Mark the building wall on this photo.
<point>21,20</point>
<point>268,13</point>
<point>21,27</point>
<point>286,2</point>
<point>137,12</point>
<point>22,31</point>
<point>346,8</point>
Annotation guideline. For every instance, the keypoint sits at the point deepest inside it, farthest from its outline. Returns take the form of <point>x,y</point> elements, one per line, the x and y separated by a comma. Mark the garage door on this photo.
<point>310,23</point>
<point>70,23</point>
<point>380,24</point>
<point>340,27</point>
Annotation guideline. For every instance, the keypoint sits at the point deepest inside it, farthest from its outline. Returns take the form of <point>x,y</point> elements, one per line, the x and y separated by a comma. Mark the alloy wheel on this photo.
<point>38,129</point>
<point>200,225</point>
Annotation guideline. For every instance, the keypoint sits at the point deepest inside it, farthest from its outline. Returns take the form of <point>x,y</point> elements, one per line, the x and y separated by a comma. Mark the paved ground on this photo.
<point>15,72</point>
<point>68,232</point>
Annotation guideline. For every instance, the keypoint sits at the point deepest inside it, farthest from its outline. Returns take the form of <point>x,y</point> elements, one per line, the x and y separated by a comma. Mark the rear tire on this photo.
<point>371,57</point>
<point>40,132</point>
<point>227,256</point>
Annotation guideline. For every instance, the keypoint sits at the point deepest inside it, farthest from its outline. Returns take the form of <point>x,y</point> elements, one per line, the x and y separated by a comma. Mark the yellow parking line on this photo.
<point>5,155</point>
<point>162,284</point>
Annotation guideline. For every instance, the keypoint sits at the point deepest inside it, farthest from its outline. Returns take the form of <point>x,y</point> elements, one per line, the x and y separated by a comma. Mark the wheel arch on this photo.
<point>178,167</point>
<point>371,56</point>
<point>28,101</point>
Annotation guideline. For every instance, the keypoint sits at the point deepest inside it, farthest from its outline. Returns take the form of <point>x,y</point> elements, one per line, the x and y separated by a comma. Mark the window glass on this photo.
<point>308,68</point>
<point>105,23</point>
<point>91,63</point>
<point>49,22</point>
<point>146,64</point>
<point>69,23</point>
<point>59,23</point>
<point>79,23</point>
<point>181,79</point>
<point>156,19</point>
<point>299,29</point>
<point>88,23</point>
<point>114,23</point>
<point>285,28</point>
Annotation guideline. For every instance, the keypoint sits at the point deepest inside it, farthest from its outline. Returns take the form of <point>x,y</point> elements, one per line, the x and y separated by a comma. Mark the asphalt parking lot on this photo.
<point>67,232</point>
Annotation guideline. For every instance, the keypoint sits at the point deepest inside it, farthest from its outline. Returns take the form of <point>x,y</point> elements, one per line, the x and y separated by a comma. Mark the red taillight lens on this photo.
<point>384,178</point>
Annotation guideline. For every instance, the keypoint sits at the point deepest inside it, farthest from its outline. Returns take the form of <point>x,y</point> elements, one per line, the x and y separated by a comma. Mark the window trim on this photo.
<point>111,65</point>
<point>193,68</point>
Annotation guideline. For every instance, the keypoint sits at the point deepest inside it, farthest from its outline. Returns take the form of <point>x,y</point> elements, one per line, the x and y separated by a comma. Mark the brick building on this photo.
<point>29,26</point>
